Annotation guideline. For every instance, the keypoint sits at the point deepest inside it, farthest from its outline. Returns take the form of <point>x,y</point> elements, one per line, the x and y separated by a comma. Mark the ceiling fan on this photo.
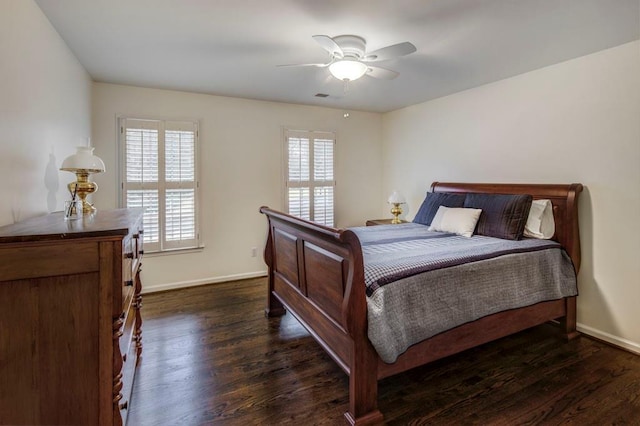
<point>350,60</point>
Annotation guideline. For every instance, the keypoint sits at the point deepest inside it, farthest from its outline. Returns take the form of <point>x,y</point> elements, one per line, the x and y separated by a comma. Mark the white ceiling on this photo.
<point>232,47</point>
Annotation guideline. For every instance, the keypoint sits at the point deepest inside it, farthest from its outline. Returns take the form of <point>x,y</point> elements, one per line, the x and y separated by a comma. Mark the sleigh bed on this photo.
<point>317,274</point>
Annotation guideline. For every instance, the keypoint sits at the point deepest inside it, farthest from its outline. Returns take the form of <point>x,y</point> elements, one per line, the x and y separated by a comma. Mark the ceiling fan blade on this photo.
<point>329,45</point>
<point>381,73</point>
<point>390,52</point>
<point>305,65</point>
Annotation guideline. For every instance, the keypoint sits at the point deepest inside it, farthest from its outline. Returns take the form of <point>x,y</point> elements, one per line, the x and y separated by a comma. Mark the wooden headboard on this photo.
<point>564,199</point>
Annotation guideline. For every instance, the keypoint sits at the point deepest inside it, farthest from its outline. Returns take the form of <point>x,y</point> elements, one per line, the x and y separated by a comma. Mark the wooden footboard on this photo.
<point>317,273</point>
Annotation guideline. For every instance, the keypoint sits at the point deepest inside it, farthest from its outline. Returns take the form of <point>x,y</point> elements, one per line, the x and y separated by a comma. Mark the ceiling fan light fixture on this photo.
<point>347,70</point>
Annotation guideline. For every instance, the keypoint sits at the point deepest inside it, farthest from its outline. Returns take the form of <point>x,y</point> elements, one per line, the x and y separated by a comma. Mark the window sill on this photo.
<point>174,251</point>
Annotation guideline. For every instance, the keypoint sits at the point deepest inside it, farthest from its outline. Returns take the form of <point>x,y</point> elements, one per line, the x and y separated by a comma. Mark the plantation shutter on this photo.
<point>298,190</point>
<point>160,176</point>
<point>180,185</point>
<point>141,189</point>
<point>310,178</point>
<point>324,182</point>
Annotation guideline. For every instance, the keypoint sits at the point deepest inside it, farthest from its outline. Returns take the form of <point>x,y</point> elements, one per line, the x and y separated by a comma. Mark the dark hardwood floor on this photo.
<point>211,357</point>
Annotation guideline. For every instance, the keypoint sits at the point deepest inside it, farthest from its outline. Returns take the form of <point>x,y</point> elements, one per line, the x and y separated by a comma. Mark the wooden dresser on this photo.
<point>70,325</point>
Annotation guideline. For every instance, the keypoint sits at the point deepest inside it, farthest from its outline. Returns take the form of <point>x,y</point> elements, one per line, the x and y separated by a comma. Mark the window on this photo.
<point>159,173</point>
<point>310,178</point>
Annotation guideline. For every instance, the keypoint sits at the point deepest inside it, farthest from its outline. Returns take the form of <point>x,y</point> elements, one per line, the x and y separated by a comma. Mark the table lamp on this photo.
<point>83,163</point>
<point>396,199</point>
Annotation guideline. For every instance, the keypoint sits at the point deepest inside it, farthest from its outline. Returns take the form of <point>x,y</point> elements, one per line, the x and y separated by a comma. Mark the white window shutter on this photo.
<point>147,200</point>
<point>180,176</point>
<point>180,155</point>
<point>160,175</point>
<point>141,154</point>
<point>298,149</point>
<point>141,151</point>
<point>310,175</point>
<point>323,204</point>
<point>180,217</point>
<point>300,202</point>
<point>323,160</point>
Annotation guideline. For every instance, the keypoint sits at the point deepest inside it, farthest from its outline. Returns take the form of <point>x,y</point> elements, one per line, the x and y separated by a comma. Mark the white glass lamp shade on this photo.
<point>347,69</point>
<point>396,198</point>
<point>83,159</point>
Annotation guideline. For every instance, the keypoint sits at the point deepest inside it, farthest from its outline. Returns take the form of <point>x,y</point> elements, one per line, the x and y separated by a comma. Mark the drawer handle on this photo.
<point>141,232</point>
<point>128,283</point>
<point>128,255</point>
<point>124,405</point>
<point>140,252</point>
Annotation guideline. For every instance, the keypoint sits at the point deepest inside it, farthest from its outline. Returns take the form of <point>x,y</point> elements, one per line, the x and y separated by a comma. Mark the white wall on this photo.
<point>241,169</point>
<point>45,112</point>
<point>578,121</point>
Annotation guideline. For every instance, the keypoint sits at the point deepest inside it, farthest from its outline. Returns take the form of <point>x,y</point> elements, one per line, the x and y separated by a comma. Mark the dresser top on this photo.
<point>53,227</point>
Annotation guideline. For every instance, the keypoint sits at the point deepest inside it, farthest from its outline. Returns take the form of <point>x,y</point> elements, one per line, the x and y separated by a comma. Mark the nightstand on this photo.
<point>373,222</point>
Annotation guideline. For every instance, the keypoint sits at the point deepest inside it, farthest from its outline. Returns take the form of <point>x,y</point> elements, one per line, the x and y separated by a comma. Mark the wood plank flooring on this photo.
<point>211,357</point>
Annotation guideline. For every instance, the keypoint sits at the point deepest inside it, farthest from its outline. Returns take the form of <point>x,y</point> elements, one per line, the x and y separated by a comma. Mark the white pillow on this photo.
<point>457,220</point>
<point>540,223</point>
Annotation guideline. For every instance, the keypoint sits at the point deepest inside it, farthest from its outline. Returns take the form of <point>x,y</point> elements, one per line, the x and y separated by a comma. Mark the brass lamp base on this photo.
<point>81,188</point>
<point>396,211</point>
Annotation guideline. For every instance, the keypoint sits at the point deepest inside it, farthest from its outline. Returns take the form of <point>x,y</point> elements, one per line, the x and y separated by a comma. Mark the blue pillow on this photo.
<point>432,201</point>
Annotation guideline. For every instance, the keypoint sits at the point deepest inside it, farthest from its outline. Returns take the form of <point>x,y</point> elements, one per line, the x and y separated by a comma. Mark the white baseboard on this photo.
<point>203,281</point>
<point>610,338</point>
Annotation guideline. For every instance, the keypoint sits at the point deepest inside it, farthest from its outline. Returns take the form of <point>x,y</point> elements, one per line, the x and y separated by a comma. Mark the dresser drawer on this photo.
<point>131,255</point>
<point>127,329</point>
<point>131,286</point>
<point>48,260</point>
<point>128,375</point>
<point>138,250</point>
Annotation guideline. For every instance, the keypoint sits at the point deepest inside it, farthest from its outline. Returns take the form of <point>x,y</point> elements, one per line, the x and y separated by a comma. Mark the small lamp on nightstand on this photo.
<point>396,199</point>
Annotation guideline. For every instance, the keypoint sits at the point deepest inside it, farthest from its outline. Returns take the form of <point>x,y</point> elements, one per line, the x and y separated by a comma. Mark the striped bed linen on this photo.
<point>421,283</point>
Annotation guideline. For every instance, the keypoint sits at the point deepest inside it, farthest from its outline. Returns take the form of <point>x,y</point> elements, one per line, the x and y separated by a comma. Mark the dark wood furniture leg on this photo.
<point>363,388</point>
<point>274,307</point>
<point>568,322</point>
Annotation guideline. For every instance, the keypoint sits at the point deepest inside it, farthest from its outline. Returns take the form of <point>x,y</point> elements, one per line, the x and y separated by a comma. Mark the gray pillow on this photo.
<point>503,216</point>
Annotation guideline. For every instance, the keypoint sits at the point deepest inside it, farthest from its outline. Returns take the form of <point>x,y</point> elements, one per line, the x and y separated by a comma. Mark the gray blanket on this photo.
<point>422,283</point>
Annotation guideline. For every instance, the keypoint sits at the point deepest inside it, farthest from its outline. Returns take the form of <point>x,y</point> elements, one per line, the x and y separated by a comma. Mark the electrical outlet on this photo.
<point>254,251</point>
